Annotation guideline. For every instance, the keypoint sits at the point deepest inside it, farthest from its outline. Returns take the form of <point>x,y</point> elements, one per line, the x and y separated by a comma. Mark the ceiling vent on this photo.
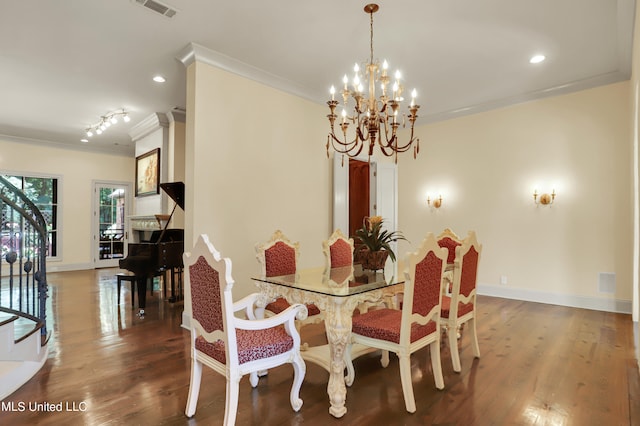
<point>157,7</point>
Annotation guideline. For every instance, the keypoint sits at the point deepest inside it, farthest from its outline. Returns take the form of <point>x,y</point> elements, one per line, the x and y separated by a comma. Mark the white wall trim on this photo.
<point>150,124</point>
<point>570,300</point>
<point>194,52</point>
<point>56,267</point>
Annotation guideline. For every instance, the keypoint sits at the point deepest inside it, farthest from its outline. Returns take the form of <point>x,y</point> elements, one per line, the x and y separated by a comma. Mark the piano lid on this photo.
<point>175,190</point>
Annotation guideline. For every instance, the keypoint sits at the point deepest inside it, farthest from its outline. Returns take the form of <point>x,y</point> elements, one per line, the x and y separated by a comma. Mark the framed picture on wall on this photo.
<point>148,173</point>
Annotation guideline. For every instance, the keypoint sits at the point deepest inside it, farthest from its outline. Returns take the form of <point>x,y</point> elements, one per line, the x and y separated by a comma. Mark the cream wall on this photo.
<point>255,162</point>
<point>77,171</point>
<point>486,167</point>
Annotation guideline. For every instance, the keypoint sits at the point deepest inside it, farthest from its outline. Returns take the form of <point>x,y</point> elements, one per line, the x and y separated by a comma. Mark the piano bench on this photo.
<point>123,276</point>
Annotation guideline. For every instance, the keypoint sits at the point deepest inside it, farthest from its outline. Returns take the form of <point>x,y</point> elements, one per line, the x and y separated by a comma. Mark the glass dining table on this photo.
<point>336,292</point>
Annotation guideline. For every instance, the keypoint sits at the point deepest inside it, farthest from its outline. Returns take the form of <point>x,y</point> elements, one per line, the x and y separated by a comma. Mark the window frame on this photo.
<point>56,231</point>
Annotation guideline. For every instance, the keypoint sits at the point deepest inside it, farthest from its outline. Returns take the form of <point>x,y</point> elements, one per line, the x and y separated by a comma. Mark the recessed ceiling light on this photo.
<point>84,140</point>
<point>159,79</point>
<point>536,59</point>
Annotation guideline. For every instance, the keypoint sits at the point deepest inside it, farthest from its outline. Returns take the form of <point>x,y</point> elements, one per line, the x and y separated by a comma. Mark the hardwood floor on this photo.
<point>540,365</point>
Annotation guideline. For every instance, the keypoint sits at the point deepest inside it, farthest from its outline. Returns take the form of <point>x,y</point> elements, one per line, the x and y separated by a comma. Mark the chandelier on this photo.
<point>106,121</point>
<point>375,119</point>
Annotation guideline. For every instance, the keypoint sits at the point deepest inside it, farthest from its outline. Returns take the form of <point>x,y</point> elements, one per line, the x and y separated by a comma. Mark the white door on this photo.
<point>384,193</point>
<point>110,210</point>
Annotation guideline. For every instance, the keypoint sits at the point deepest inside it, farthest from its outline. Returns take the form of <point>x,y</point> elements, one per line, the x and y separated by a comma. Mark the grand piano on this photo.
<point>161,254</point>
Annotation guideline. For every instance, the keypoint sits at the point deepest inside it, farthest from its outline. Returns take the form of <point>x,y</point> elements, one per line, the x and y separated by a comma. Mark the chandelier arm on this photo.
<point>344,147</point>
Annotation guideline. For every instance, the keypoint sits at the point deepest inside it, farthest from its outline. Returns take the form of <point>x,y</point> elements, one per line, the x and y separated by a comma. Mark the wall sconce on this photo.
<point>437,202</point>
<point>545,199</point>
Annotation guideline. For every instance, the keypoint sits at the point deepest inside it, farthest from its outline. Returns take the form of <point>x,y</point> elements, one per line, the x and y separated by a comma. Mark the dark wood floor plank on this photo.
<point>540,365</point>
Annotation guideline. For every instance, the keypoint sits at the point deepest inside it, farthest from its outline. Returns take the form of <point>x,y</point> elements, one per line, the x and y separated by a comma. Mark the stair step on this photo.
<point>21,326</point>
<point>14,374</point>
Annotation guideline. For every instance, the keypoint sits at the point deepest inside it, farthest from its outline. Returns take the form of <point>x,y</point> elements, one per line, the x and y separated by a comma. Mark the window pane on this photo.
<point>42,191</point>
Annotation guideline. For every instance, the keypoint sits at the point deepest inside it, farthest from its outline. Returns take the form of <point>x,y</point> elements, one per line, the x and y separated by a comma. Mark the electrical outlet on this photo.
<point>503,280</point>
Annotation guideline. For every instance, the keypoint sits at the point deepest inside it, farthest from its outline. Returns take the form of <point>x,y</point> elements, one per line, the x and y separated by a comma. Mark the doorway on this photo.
<point>359,194</point>
<point>382,192</point>
<point>111,207</point>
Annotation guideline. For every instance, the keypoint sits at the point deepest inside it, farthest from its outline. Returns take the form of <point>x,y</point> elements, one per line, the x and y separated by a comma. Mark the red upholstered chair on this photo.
<point>279,256</point>
<point>230,345</point>
<point>449,240</point>
<point>338,250</point>
<point>461,306</point>
<point>415,326</point>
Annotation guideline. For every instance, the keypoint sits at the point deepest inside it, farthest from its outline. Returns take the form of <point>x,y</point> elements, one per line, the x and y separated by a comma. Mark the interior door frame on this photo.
<point>383,192</point>
<point>95,222</point>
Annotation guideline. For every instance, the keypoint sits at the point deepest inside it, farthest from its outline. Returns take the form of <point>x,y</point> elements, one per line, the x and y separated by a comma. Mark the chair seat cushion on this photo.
<point>384,324</point>
<point>280,304</point>
<point>252,345</point>
<point>463,308</point>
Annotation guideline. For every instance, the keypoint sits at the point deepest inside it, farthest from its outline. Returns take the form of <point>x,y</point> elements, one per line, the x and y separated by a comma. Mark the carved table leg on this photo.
<point>338,328</point>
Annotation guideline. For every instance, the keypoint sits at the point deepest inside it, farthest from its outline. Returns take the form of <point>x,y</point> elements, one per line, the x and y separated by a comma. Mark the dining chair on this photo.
<point>449,240</point>
<point>415,326</point>
<point>230,345</point>
<point>460,307</point>
<point>279,256</point>
<point>338,250</point>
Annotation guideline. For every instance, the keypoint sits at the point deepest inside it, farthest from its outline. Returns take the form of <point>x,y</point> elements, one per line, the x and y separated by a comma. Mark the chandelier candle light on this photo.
<point>374,119</point>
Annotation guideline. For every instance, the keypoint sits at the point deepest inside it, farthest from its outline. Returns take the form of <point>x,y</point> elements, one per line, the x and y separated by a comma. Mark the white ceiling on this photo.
<point>65,63</point>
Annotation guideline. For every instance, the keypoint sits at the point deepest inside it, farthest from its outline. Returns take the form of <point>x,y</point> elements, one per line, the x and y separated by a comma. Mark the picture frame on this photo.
<point>148,173</point>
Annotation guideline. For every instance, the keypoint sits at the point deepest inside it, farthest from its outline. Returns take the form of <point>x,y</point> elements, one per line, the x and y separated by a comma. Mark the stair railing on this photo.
<point>24,245</point>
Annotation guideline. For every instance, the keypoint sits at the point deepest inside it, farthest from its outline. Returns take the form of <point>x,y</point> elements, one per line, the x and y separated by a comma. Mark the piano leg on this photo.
<point>141,283</point>
<point>173,285</point>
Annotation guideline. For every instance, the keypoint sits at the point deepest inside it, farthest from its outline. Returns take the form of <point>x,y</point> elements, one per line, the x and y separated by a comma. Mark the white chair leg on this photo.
<point>436,364</point>
<point>231,403</point>
<point>299,371</point>
<point>405,378</point>
<point>384,359</point>
<point>474,338</point>
<point>253,379</point>
<point>453,348</point>
<point>194,387</point>
<point>348,362</point>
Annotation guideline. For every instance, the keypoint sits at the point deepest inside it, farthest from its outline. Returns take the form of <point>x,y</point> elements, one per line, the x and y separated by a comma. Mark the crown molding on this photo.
<point>122,150</point>
<point>194,52</point>
<point>150,124</point>
<point>177,116</point>
<point>563,89</point>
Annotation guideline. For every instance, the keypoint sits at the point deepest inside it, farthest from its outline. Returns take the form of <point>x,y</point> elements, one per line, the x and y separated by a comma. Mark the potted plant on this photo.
<point>375,243</point>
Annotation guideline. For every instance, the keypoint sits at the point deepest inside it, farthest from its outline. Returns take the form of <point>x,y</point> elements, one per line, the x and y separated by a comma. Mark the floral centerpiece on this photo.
<point>375,243</point>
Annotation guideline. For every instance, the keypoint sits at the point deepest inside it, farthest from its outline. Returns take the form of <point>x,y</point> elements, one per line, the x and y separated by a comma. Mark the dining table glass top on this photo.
<point>341,282</point>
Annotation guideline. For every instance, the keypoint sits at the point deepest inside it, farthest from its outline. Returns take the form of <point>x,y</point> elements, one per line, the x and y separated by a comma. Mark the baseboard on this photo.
<point>585,302</point>
<point>54,267</point>
<point>186,321</point>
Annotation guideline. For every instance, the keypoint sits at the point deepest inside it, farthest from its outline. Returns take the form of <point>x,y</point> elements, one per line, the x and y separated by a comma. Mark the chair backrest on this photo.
<point>208,277</point>
<point>423,284</point>
<point>278,256</point>
<point>338,250</point>
<point>449,240</point>
<point>466,266</point>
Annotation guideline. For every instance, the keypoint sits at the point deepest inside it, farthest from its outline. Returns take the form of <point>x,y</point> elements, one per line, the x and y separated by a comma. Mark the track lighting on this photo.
<point>106,121</point>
